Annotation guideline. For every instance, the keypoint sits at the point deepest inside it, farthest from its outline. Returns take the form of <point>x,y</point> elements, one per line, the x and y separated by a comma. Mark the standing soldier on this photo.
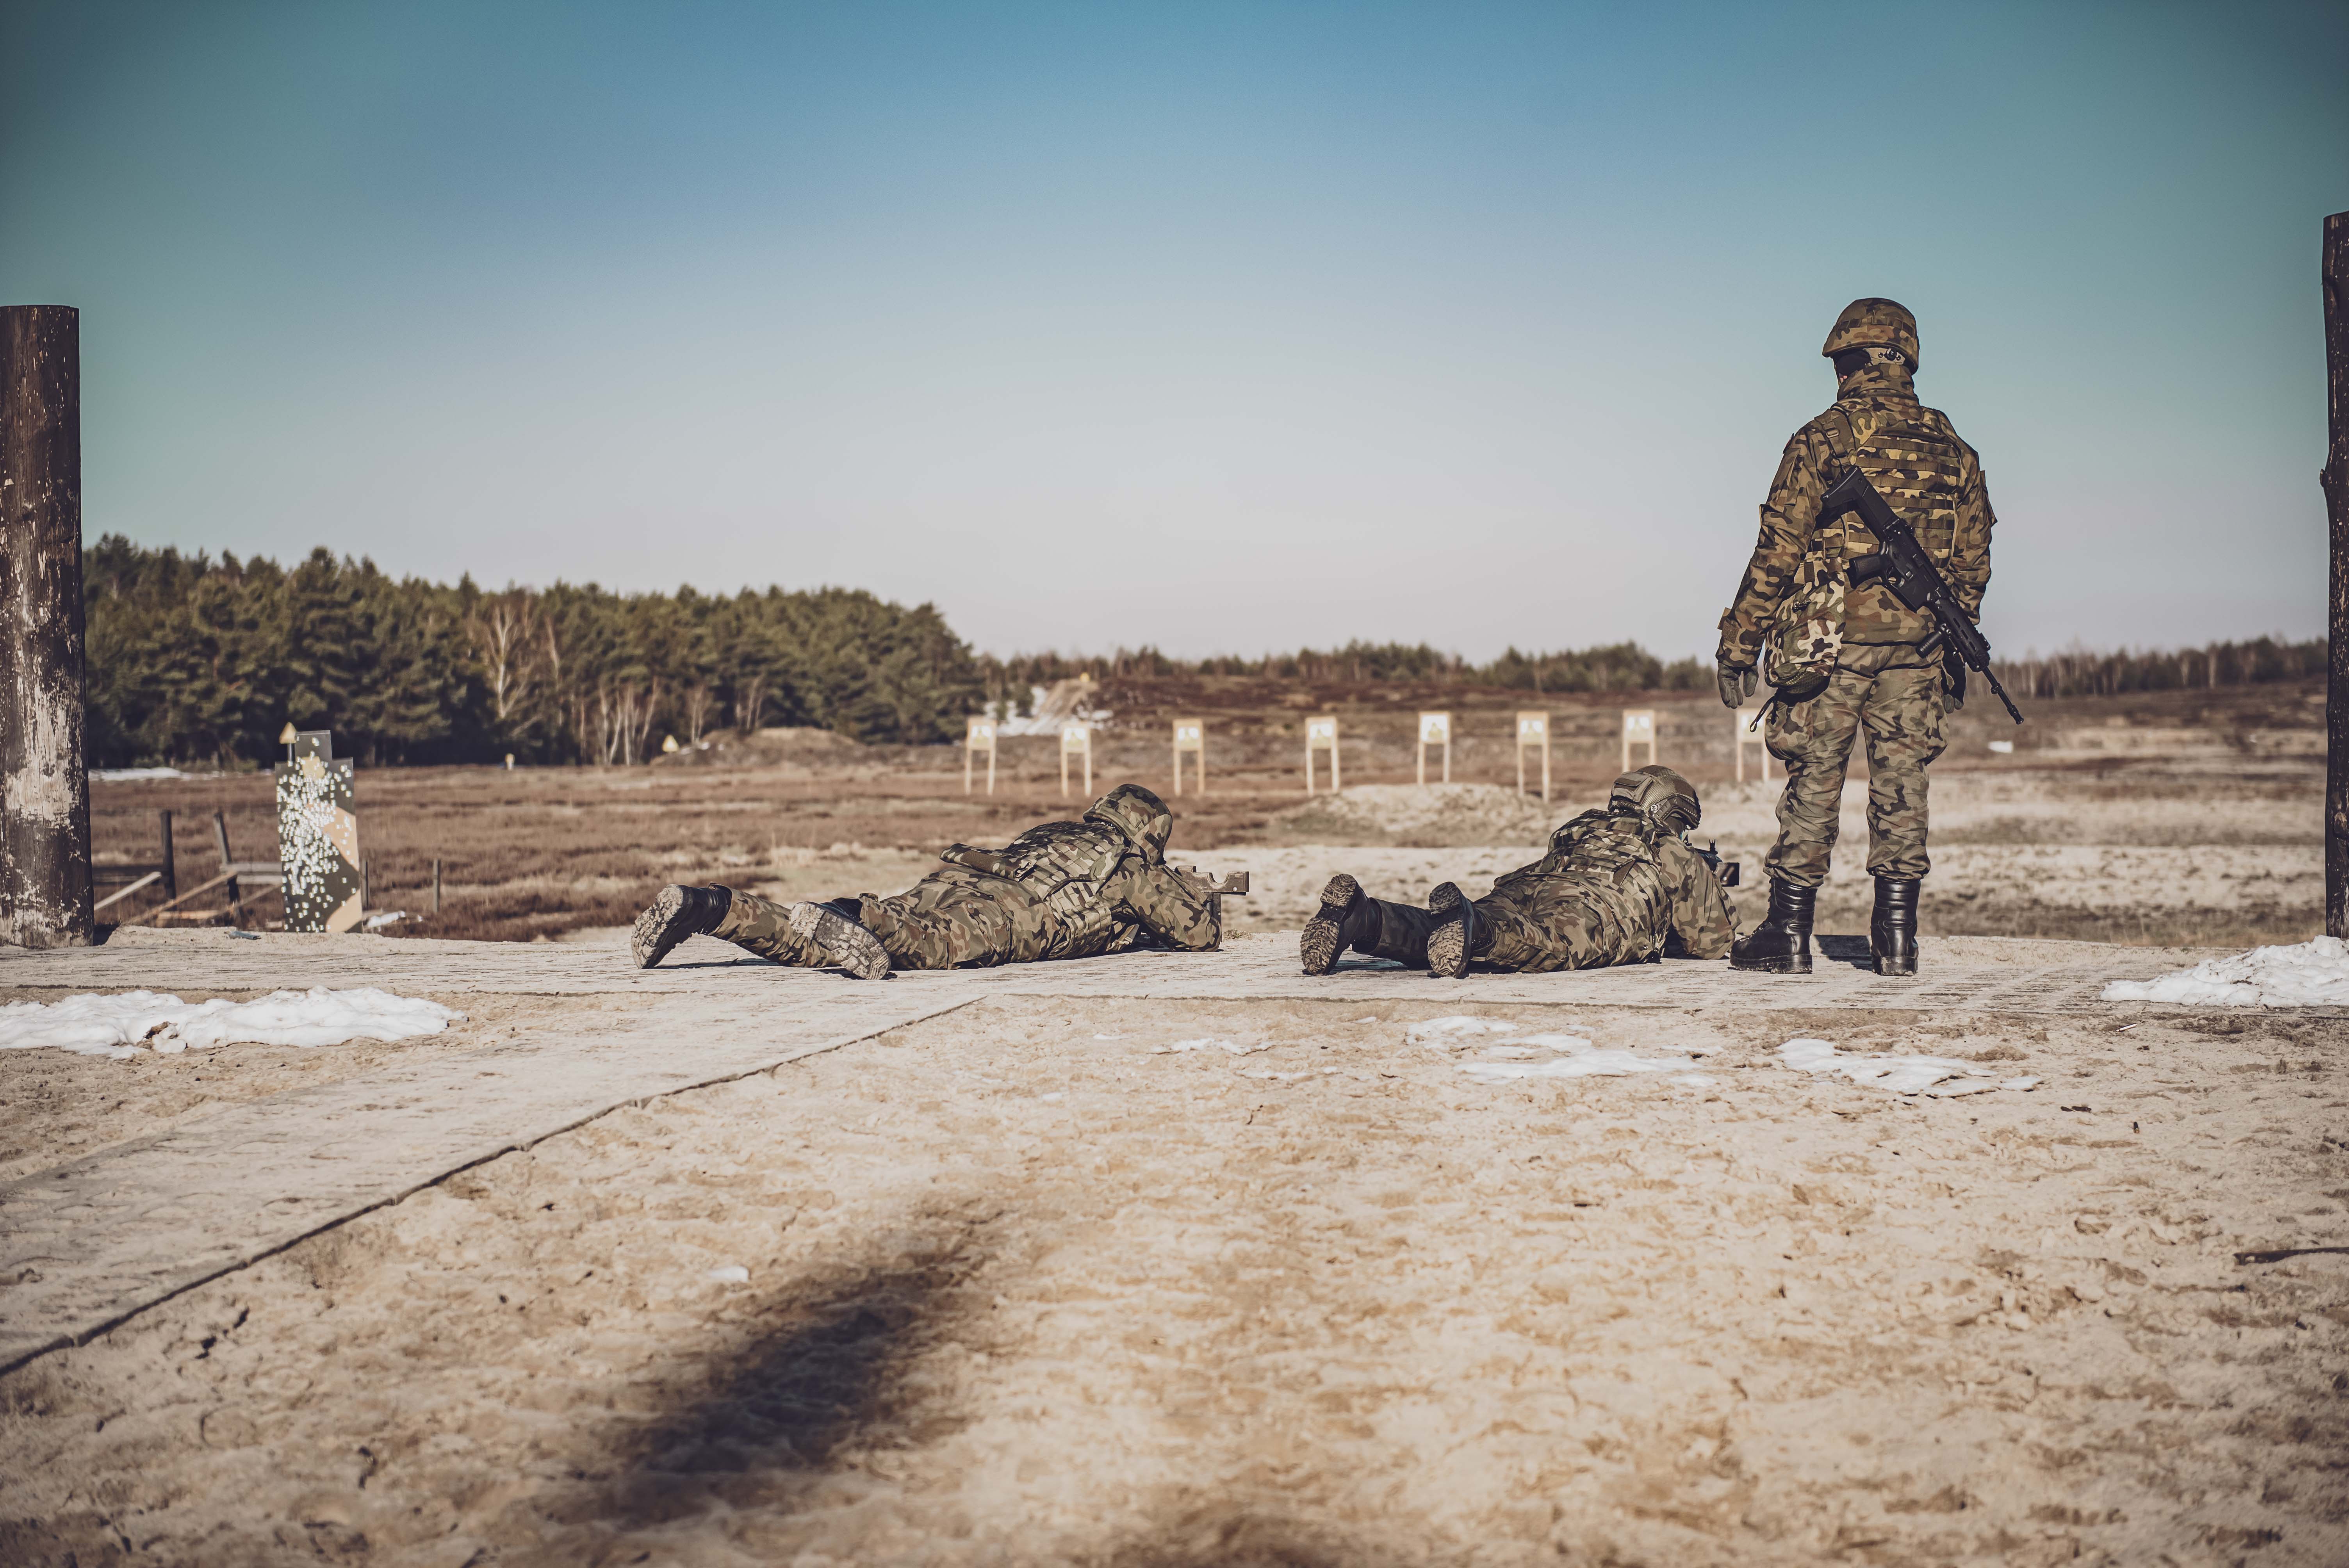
<point>1846,654</point>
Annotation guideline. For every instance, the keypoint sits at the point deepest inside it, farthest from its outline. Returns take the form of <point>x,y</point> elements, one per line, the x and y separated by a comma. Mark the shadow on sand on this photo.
<point>821,1377</point>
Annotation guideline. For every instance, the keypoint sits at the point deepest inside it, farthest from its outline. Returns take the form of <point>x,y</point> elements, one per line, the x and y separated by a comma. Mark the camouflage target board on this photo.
<point>318,836</point>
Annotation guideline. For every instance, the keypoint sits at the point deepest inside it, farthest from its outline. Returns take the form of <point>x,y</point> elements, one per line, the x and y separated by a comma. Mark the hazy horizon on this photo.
<point>1220,330</point>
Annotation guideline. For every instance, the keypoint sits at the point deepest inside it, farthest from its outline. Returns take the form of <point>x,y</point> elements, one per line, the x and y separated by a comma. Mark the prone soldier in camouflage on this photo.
<point>1846,655</point>
<point>1619,885</point>
<point>1064,890</point>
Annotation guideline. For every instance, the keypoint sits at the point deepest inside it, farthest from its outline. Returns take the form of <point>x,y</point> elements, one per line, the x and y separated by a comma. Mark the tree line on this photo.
<point>193,659</point>
<point>1618,667</point>
<point>2080,671</point>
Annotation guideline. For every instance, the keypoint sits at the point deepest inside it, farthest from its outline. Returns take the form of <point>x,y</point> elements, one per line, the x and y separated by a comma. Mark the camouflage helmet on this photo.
<point>1138,814</point>
<point>1659,795</point>
<point>1873,323</point>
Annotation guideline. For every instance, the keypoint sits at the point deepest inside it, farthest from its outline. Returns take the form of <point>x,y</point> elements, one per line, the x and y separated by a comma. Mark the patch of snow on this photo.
<point>730,1274</point>
<point>1576,1058</point>
<point>1445,1032</point>
<point>1900,1073</point>
<point>2315,974</point>
<point>1234,1047</point>
<point>133,775</point>
<point>117,1026</point>
<point>393,917</point>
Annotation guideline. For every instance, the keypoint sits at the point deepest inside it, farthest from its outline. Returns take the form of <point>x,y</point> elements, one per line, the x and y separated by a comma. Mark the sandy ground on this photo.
<point>2160,851</point>
<point>1026,1284</point>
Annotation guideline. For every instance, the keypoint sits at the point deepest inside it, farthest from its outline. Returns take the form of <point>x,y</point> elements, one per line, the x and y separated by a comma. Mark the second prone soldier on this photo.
<point>1063,890</point>
<point>1619,885</point>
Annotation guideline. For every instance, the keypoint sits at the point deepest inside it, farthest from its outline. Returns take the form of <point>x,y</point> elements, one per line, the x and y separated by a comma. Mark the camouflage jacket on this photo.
<point>1085,889</point>
<point>1930,477</point>
<point>1645,875</point>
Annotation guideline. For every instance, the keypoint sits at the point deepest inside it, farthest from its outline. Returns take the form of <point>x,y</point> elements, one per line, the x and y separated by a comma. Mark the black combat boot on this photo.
<point>1892,929</point>
<point>1781,944</point>
<point>841,937</point>
<point>1350,920</point>
<point>678,913</point>
<point>1459,935</point>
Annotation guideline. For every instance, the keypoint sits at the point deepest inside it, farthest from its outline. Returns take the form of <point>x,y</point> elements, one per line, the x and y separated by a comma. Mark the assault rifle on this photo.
<point>1909,572</point>
<point>1231,884</point>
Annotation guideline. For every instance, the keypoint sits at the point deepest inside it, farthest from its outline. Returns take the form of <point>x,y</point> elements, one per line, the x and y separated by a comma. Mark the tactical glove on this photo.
<point>1736,685</point>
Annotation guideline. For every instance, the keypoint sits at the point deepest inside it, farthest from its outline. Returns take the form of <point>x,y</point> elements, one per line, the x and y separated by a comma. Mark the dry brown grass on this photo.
<point>533,853</point>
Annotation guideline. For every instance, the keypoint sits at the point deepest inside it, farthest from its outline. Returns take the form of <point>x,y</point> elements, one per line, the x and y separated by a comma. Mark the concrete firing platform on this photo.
<point>86,1243</point>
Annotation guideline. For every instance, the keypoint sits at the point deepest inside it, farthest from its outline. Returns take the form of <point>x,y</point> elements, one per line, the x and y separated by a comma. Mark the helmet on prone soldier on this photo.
<point>1659,795</point>
<point>1138,814</point>
<point>1874,323</point>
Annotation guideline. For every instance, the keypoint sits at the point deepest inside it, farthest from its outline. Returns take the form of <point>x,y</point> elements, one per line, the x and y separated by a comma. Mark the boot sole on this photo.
<point>1447,945</point>
<point>1791,964</point>
<point>845,943</point>
<point>1321,942</point>
<point>1898,967</point>
<point>661,928</point>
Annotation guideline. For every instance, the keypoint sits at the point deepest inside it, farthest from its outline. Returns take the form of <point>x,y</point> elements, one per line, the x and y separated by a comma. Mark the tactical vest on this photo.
<point>1915,461</point>
<point>1064,867</point>
<point>1615,858</point>
<point>1912,456</point>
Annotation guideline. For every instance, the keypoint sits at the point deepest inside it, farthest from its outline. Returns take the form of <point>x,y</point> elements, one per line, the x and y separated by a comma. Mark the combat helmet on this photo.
<point>1138,814</point>
<point>1659,795</point>
<point>1874,323</point>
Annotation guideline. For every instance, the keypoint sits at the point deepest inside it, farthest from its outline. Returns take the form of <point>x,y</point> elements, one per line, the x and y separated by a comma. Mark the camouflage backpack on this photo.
<point>1914,462</point>
<point>1805,636</point>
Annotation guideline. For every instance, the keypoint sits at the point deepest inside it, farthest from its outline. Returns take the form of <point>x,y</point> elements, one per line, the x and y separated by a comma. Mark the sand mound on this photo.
<point>1433,816</point>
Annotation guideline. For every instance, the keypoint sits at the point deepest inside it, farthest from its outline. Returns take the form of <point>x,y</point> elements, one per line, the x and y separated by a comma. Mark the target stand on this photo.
<point>1638,730</point>
<point>1532,729</point>
<point>1077,740</point>
<point>978,735</point>
<point>1434,729</point>
<point>1321,735</point>
<point>1748,732</point>
<point>1191,736</point>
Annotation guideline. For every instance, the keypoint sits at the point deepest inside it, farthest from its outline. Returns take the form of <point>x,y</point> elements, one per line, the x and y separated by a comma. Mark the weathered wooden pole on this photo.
<point>2336,480</point>
<point>44,896</point>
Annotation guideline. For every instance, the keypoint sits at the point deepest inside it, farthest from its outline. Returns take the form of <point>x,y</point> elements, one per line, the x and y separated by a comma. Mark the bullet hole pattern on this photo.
<point>317,837</point>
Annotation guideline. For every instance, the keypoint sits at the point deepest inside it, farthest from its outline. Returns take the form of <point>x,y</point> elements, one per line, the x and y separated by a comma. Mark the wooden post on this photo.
<point>45,883</point>
<point>228,861</point>
<point>170,873</point>
<point>2335,480</point>
<point>436,885</point>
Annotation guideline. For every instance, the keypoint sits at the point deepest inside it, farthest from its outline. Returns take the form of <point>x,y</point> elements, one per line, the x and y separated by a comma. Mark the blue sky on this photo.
<point>1223,328</point>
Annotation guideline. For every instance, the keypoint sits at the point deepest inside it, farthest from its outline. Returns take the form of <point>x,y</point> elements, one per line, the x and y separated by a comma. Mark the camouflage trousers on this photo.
<point>1892,694</point>
<point>1554,922</point>
<point>943,921</point>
